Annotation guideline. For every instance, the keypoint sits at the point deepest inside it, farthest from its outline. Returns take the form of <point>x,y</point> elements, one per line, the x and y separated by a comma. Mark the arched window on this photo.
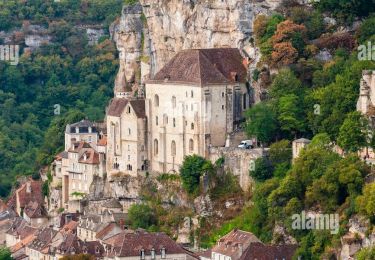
<point>156,147</point>
<point>156,100</point>
<point>192,94</point>
<point>174,122</point>
<point>157,120</point>
<point>191,145</point>
<point>129,131</point>
<point>173,101</point>
<point>173,148</point>
<point>192,126</point>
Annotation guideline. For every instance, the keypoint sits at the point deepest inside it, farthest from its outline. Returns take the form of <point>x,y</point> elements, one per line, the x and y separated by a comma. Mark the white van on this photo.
<point>246,144</point>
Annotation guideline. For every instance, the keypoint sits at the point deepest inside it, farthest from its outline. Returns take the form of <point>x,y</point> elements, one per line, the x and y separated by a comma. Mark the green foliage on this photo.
<point>262,170</point>
<point>348,10</point>
<point>353,132</point>
<point>67,72</point>
<point>280,152</point>
<point>366,202</point>
<point>45,188</point>
<point>366,30</point>
<point>261,122</point>
<point>141,216</point>
<point>5,253</point>
<point>191,170</point>
<point>366,254</point>
<point>226,185</point>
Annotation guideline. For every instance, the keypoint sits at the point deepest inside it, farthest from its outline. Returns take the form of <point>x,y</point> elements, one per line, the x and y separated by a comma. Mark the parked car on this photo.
<point>246,144</point>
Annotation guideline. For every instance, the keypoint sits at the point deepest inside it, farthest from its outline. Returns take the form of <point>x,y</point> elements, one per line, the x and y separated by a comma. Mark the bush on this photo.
<point>191,170</point>
<point>141,216</point>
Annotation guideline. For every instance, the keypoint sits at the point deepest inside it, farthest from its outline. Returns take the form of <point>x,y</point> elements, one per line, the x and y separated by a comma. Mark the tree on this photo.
<point>5,253</point>
<point>191,170</point>
<point>290,114</point>
<point>262,170</point>
<point>366,202</point>
<point>261,122</point>
<point>353,133</point>
<point>280,152</point>
<point>141,216</point>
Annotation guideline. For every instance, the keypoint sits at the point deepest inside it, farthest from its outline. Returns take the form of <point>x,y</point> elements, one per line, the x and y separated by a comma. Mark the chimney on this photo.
<point>28,187</point>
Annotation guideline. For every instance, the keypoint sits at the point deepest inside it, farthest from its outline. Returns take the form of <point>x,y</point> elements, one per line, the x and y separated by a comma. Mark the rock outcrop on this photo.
<point>152,32</point>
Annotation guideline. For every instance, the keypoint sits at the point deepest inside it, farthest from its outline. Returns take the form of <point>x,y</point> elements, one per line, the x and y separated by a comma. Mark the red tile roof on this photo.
<point>90,156</point>
<point>234,243</point>
<point>259,251</point>
<point>203,67</point>
<point>35,210</point>
<point>129,244</point>
<point>30,191</point>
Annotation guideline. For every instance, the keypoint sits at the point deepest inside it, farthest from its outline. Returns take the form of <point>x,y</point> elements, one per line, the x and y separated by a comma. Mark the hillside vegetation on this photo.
<point>68,73</point>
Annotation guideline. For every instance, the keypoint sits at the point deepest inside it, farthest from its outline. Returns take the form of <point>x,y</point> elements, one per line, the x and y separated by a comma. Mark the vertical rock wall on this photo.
<point>153,31</point>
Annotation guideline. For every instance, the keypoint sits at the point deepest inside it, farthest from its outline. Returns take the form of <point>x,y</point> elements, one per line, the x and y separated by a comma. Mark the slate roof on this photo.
<point>118,105</point>
<point>203,67</point>
<point>83,126</point>
<point>259,251</point>
<point>43,239</point>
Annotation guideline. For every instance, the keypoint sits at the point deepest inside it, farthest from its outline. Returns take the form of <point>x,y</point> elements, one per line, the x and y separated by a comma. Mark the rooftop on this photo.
<point>203,67</point>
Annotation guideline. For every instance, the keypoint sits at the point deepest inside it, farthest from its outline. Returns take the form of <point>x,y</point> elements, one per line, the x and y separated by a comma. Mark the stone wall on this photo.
<point>238,161</point>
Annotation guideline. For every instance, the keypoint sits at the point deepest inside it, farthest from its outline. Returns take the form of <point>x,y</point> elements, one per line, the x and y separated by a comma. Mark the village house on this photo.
<point>84,164</point>
<point>40,246</point>
<point>98,227</point>
<point>18,231</point>
<point>242,245</point>
<point>127,138</point>
<point>143,245</point>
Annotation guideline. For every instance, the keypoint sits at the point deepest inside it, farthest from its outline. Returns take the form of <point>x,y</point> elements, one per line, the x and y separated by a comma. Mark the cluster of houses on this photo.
<point>106,236</point>
<point>192,105</point>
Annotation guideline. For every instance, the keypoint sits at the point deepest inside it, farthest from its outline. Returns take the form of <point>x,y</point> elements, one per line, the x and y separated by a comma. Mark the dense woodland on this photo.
<point>80,78</point>
<point>68,72</point>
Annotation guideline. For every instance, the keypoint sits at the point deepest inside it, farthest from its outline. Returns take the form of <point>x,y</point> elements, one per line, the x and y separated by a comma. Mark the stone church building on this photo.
<point>193,103</point>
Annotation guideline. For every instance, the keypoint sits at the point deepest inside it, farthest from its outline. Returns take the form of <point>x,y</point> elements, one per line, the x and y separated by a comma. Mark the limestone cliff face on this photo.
<point>168,26</point>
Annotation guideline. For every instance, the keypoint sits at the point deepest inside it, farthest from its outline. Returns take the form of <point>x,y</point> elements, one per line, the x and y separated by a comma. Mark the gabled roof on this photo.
<point>78,146</point>
<point>35,210</point>
<point>89,157</point>
<point>259,251</point>
<point>30,191</point>
<point>129,244</point>
<point>203,67</point>
<point>117,106</point>
<point>43,239</point>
